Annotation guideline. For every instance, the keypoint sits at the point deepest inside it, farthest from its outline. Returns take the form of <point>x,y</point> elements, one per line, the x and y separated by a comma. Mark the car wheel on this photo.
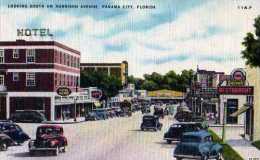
<point>169,141</point>
<point>3,146</point>
<point>204,158</point>
<point>64,149</point>
<point>56,151</point>
<point>142,129</point>
<point>155,129</point>
<point>219,157</point>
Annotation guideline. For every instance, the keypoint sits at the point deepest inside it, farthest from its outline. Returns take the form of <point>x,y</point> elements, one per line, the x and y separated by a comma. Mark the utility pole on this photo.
<point>224,123</point>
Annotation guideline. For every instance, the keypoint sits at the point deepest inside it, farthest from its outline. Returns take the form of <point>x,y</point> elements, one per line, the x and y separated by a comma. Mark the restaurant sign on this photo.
<point>243,90</point>
<point>63,91</point>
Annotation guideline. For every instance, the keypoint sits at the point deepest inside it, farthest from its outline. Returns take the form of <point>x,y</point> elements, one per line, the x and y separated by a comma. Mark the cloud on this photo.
<point>176,35</point>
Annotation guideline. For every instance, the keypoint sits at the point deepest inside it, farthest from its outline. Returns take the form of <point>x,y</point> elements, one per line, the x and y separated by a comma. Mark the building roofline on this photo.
<point>32,43</point>
<point>100,64</point>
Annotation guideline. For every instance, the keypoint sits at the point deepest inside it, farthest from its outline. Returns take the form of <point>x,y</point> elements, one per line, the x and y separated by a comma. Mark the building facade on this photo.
<point>233,98</point>
<point>30,74</point>
<point>252,125</point>
<point>202,96</point>
<point>116,69</point>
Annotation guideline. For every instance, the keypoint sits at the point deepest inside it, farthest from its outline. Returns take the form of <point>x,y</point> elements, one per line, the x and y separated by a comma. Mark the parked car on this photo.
<point>91,116</point>
<point>111,113</point>
<point>158,111</point>
<point>14,131</point>
<point>28,116</point>
<point>5,142</point>
<point>183,115</point>
<point>119,112</point>
<point>197,145</point>
<point>101,113</point>
<point>49,138</point>
<point>176,130</point>
<point>151,122</point>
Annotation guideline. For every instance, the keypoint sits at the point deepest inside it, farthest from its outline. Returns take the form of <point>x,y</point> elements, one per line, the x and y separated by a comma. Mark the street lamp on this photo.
<point>201,106</point>
<point>75,108</point>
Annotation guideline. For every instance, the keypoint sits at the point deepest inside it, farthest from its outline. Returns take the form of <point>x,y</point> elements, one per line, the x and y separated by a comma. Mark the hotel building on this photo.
<point>30,74</point>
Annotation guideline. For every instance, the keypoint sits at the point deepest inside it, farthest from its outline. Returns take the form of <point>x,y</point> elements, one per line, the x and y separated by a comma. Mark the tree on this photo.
<point>251,53</point>
<point>136,81</point>
<point>149,85</point>
<point>110,85</point>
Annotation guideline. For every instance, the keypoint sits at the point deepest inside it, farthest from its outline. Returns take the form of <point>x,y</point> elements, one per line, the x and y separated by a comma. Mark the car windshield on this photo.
<point>49,130</point>
<point>148,118</point>
<point>190,139</point>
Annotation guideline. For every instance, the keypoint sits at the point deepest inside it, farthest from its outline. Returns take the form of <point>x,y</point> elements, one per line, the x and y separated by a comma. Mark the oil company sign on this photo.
<point>63,91</point>
<point>97,94</point>
<point>243,90</point>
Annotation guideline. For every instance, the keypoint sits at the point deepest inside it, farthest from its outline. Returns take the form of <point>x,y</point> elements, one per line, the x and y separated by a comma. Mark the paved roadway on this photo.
<point>113,139</point>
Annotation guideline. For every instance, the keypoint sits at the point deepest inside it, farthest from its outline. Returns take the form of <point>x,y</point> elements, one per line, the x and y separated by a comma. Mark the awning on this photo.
<point>97,104</point>
<point>240,111</point>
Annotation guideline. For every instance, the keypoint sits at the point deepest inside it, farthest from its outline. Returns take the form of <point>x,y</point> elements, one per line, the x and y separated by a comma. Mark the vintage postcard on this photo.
<point>129,79</point>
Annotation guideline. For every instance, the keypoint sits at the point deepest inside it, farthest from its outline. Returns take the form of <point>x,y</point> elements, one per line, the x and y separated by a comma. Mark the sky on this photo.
<point>176,35</point>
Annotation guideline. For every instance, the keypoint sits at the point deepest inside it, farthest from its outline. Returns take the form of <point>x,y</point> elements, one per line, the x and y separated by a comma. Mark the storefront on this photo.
<point>233,95</point>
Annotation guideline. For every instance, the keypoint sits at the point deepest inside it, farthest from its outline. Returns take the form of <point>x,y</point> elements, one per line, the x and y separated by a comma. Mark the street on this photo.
<point>113,139</point>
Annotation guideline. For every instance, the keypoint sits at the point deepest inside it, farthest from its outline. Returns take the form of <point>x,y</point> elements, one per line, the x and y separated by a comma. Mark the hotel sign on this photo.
<point>243,90</point>
<point>28,32</point>
<point>63,91</point>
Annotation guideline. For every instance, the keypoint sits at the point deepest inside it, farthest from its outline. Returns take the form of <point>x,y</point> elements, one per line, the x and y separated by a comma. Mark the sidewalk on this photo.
<point>67,121</point>
<point>239,144</point>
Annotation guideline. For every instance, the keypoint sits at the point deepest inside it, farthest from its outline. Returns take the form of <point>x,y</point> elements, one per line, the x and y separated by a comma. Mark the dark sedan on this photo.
<point>198,145</point>
<point>14,131</point>
<point>5,142</point>
<point>28,116</point>
<point>92,116</point>
<point>151,122</point>
<point>176,130</point>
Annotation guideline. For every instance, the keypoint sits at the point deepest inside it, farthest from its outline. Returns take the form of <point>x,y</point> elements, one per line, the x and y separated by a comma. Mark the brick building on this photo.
<point>31,72</point>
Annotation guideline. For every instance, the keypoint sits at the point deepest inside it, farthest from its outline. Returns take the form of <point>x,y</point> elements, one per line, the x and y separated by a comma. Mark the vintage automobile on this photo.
<point>91,116</point>
<point>101,113</point>
<point>183,114</point>
<point>14,131</point>
<point>28,116</point>
<point>5,142</point>
<point>158,111</point>
<point>48,138</point>
<point>151,122</point>
<point>176,130</point>
<point>111,113</point>
<point>118,112</point>
<point>197,145</point>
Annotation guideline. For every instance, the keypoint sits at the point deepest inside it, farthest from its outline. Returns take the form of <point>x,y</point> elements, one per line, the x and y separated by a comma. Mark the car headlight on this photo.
<point>53,143</point>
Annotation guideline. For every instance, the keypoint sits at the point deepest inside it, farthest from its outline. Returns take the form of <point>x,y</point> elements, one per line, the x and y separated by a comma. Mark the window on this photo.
<point>15,53</point>
<point>2,80</point>
<point>30,79</point>
<point>1,56</point>
<point>30,56</point>
<point>15,76</point>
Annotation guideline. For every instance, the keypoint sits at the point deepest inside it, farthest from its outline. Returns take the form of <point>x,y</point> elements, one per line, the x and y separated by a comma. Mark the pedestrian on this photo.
<point>63,115</point>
